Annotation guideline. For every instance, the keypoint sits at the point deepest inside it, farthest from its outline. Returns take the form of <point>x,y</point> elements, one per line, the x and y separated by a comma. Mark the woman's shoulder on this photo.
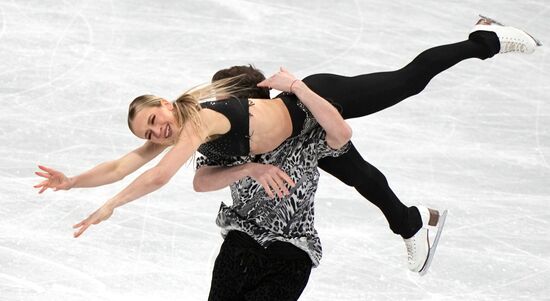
<point>221,102</point>
<point>214,122</point>
<point>234,109</point>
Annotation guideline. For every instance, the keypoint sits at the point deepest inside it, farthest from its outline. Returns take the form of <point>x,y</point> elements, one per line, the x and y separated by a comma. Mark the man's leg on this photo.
<point>285,277</point>
<point>228,277</point>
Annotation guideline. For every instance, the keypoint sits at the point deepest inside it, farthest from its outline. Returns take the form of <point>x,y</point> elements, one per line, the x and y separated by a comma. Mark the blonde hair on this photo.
<point>188,104</point>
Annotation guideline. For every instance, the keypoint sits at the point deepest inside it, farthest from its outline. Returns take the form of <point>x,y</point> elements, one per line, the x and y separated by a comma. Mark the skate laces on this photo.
<point>513,46</point>
<point>411,249</point>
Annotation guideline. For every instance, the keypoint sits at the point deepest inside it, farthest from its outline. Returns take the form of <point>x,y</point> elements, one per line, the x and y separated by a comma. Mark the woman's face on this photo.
<point>157,124</point>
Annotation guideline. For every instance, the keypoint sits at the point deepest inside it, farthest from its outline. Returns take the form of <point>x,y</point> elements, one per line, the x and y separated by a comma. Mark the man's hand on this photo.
<point>271,177</point>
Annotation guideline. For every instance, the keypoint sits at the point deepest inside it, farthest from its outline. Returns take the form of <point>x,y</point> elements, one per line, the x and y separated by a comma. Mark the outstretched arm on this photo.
<point>338,130</point>
<point>102,174</point>
<point>150,180</point>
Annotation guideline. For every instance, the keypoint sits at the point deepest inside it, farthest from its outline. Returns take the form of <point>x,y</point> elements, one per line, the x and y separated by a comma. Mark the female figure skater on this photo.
<point>186,125</point>
<point>366,94</point>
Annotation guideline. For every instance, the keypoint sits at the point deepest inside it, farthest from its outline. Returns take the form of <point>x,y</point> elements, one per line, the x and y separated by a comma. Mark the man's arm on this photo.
<point>272,178</point>
<point>211,178</point>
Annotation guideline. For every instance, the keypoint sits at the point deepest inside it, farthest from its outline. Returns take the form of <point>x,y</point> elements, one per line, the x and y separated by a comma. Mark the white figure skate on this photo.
<point>422,245</point>
<point>511,39</point>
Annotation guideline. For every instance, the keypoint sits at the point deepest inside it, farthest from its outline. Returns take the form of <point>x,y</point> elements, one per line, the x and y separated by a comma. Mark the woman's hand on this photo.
<point>97,217</point>
<point>281,81</point>
<point>56,180</point>
<point>271,178</point>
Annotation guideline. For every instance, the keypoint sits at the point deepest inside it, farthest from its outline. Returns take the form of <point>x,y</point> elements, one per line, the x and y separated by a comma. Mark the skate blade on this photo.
<point>537,41</point>
<point>491,20</point>
<point>431,252</point>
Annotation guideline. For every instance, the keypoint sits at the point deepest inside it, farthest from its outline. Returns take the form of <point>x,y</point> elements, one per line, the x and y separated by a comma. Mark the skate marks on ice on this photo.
<point>476,142</point>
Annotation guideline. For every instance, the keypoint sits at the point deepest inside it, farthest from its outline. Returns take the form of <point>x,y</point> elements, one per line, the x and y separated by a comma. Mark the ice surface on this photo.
<point>476,142</point>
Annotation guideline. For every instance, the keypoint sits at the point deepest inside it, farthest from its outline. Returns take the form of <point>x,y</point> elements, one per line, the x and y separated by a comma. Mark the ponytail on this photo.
<point>188,104</point>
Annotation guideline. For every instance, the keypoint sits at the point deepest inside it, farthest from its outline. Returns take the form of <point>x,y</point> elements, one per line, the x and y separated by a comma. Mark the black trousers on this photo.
<point>369,93</point>
<point>244,270</point>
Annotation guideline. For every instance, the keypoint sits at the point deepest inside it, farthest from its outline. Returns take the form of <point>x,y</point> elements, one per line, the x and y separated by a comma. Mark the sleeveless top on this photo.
<point>236,142</point>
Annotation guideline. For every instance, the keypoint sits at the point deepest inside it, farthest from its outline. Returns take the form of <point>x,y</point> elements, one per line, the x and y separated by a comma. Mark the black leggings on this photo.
<point>369,93</point>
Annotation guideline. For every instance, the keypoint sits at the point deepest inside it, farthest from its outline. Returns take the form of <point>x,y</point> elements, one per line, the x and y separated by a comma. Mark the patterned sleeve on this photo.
<point>322,147</point>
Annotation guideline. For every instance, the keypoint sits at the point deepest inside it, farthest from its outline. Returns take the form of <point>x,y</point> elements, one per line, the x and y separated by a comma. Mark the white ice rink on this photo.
<point>476,141</point>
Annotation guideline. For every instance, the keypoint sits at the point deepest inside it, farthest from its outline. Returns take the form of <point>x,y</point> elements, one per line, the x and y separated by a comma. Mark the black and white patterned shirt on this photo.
<point>290,218</point>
